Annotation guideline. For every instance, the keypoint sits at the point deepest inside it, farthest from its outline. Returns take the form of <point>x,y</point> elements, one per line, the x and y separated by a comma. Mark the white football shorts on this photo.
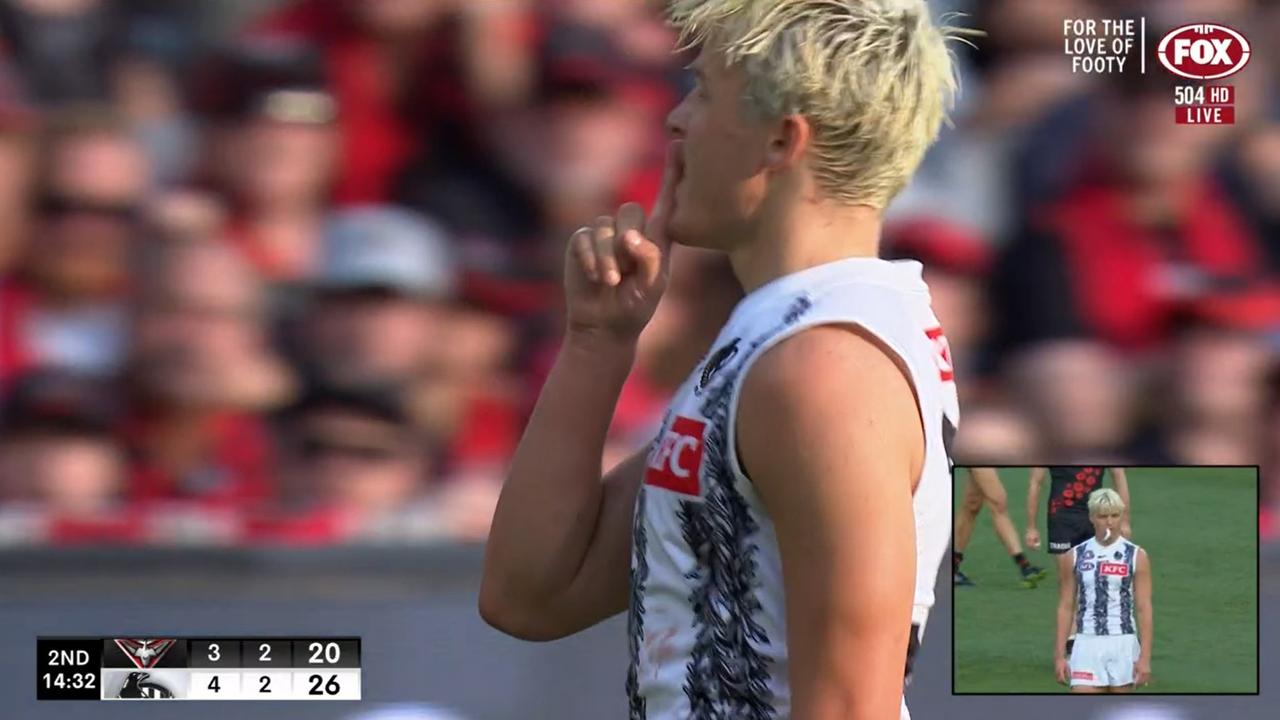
<point>1104,660</point>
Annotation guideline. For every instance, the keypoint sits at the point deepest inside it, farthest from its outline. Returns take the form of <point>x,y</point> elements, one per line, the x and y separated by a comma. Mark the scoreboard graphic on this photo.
<point>207,668</point>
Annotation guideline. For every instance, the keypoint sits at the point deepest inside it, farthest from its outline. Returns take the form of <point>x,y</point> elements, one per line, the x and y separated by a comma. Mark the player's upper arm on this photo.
<point>1067,588</point>
<point>1142,576</point>
<point>601,587</point>
<point>829,432</point>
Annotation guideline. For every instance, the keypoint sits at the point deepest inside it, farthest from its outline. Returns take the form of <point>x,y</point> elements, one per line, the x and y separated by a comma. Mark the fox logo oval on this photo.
<point>1203,52</point>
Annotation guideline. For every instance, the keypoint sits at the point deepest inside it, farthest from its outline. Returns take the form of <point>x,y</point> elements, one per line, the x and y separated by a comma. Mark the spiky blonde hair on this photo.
<point>1105,500</point>
<point>873,77</point>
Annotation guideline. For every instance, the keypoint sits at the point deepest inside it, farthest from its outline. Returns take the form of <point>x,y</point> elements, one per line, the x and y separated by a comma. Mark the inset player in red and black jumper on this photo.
<point>1068,508</point>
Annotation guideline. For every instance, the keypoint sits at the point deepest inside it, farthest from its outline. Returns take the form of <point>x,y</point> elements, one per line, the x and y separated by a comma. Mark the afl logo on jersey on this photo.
<point>1117,569</point>
<point>675,461</point>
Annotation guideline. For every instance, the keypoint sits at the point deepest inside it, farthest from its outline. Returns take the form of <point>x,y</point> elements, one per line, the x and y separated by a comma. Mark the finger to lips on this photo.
<point>607,260</point>
<point>673,170</point>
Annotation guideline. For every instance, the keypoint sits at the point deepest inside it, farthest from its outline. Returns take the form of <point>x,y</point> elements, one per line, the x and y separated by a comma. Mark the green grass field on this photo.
<point>1199,527</point>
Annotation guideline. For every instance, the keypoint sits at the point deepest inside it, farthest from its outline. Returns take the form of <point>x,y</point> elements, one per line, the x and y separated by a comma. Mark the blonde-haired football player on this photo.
<point>1107,599</point>
<point>778,541</point>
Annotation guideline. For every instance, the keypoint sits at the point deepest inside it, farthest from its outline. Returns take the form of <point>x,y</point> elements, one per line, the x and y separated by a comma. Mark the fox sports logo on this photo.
<point>1203,51</point>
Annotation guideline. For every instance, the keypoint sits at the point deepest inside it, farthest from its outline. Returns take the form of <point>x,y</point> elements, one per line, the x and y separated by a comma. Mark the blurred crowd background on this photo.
<point>287,271</point>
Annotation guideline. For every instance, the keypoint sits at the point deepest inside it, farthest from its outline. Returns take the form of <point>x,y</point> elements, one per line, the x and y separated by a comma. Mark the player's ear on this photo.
<point>791,136</point>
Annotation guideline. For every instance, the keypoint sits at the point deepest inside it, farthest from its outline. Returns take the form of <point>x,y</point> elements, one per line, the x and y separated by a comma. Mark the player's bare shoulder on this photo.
<point>823,382</point>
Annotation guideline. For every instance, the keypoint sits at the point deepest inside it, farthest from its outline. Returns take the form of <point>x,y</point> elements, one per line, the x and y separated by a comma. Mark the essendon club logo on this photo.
<point>674,461</point>
<point>1203,51</point>
<point>1117,569</point>
<point>144,653</point>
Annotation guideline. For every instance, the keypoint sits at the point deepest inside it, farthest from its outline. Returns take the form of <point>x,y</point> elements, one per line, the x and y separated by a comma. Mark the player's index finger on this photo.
<point>630,217</point>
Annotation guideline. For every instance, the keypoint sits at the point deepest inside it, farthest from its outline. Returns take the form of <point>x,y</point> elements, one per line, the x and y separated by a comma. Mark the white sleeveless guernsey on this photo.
<point>707,618</point>
<point>1104,586</point>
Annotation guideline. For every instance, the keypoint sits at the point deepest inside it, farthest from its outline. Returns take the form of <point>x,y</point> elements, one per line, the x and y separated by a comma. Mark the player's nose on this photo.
<point>675,123</point>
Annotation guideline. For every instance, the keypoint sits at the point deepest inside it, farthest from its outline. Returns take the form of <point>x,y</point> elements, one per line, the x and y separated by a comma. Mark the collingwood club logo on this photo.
<point>137,686</point>
<point>717,361</point>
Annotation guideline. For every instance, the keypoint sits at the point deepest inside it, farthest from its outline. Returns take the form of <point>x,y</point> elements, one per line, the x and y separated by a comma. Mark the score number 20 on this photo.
<point>321,653</point>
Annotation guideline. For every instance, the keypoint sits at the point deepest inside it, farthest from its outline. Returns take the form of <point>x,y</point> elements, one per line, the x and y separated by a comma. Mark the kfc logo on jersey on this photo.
<point>941,353</point>
<point>1117,569</point>
<point>675,461</point>
<point>1203,51</point>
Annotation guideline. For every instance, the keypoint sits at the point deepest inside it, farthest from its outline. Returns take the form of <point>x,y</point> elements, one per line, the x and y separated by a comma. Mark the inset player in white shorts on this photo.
<point>1104,660</point>
<point>1102,599</point>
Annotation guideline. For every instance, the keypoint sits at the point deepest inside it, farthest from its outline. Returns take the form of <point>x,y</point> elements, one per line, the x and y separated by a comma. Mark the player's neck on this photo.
<point>806,235</point>
<point>1115,538</point>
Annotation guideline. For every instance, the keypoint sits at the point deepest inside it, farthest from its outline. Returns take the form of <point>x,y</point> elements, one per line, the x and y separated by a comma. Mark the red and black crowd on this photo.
<point>288,272</point>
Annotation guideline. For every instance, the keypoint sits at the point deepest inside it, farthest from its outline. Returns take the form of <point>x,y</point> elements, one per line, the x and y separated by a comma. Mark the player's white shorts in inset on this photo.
<point>1104,660</point>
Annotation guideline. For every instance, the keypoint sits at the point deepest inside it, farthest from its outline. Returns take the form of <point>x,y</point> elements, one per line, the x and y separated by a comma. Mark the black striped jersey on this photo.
<point>1104,586</point>
<point>707,625</point>
<point>1070,487</point>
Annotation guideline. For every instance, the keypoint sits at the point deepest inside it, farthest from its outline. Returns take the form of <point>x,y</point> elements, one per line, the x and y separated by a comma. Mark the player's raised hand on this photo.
<point>1062,670</point>
<point>1033,538</point>
<point>616,269</point>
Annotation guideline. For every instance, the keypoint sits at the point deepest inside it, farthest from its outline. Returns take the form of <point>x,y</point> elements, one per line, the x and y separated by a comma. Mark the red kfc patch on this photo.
<point>1081,675</point>
<point>1118,569</point>
<point>676,461</point>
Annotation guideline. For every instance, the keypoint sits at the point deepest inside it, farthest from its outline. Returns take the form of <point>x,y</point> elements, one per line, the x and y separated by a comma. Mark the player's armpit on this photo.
<point>600,589</point>
<point>829,432</point>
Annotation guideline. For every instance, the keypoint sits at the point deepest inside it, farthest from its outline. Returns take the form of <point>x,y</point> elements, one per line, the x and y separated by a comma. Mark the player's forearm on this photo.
<point>1122,489</point>
<point>547,512</point>
<point>1146,626</point>
<point>1033,500</point>
<point>1065,614</point>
